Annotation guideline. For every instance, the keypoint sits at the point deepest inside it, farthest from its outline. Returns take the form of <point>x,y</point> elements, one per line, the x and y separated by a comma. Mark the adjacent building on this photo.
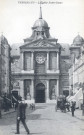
<point>76,71</point>
<point>4,66</point>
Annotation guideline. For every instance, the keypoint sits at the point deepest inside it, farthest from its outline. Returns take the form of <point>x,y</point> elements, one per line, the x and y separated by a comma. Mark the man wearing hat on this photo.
<point>21,110</point>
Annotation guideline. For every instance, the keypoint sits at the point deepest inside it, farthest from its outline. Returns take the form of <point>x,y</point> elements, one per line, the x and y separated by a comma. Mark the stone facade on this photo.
<point>76,62</point>
<point>42,69</point>
<point>37,75</point>
<point>4,66</point>
<point>76,71</point>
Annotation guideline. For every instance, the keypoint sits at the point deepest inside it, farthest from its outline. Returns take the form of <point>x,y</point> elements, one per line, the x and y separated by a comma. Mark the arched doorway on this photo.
<point>40,93</point>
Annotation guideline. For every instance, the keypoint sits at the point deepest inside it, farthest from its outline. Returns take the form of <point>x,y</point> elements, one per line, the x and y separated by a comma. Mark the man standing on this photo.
<point>21,110</point>
<point>73,108</point>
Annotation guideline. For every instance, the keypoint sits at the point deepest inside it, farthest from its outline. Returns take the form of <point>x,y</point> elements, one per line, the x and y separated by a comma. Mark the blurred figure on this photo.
<point>21,110</point>
<point>72,108</point>
<point>6,105</point>
<point>0,107</point>
<point>32,106</point>
<point>68,106</point>
<point>63,107</point>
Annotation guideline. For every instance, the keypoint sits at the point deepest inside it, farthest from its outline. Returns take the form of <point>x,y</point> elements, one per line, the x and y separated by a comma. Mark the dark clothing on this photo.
<point>24,124</point>
<point>62,107</point>
<point>67,106</point>
<point>72,113</point>
<point>73,109</point>
<point>6,107</point>
<point>6,103</point>
<point>0,107</point>
<point>21,110</point>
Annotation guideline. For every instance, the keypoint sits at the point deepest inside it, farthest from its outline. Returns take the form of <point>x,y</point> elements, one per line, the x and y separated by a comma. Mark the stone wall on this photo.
<point>53,61</point>
<point>27,61</point>
<point>52,89</point>
<point>64,76</point>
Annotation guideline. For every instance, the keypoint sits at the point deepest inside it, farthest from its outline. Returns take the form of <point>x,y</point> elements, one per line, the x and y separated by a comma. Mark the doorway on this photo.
<point>40,93</point>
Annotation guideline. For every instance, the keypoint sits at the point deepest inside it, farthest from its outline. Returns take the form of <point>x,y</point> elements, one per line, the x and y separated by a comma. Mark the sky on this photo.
<point>64,17</point>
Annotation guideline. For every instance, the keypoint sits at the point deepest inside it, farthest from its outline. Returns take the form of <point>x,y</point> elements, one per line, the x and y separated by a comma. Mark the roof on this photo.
<point>78,40</point>
<point>66,51</point>
<point>15,50</point>
<point>42,43</point>
<point>40,22</point>
<point>3,40</point>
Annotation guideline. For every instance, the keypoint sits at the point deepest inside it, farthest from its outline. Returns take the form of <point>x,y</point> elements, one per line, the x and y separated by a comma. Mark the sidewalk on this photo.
<point>77,114</point>
<point>11,110</point>
<point>46,121</point>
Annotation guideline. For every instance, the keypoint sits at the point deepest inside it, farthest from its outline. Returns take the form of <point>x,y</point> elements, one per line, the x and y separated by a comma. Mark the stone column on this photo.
<point>22,88</point>
<point>56,90</point>
<point>32,89</point>
<point>73,78</point>
<point>47,90</point>
<point>57,60</point>
<point>22,60</point>
<point>47,60</point>
<point>57,87</point>
<point>32,60</point>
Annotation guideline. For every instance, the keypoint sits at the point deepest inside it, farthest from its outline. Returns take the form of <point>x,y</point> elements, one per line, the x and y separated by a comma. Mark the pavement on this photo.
<point>8,112</point>
<point>78,113</point>
<point>44,120</point>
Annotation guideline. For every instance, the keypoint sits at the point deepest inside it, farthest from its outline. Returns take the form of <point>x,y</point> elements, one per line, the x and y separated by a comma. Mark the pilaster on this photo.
<point>47,60</point>
<point>32,60</point>
<point>57,60</point>
<point>32,90</point>
<point>57,87</point>
<point>22,88</point>
<point>22,60</point>
<point>47,90</point>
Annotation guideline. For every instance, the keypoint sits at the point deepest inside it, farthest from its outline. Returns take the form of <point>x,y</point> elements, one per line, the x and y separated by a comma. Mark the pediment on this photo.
<point>41,44</point>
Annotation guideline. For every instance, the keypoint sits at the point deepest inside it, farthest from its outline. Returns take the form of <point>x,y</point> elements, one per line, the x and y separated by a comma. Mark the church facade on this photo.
<point>39,76</point>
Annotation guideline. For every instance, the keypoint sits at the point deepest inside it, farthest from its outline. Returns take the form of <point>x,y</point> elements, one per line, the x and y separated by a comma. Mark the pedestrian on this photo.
<point>72,108</point>
<point>5,102</point>
<point>21,110</point>
<point>16,105</point>
<point>15,101</point>
<point>62,107</point>
<point>68,106</point>
<point>32,106</point>
<point>0,107</point>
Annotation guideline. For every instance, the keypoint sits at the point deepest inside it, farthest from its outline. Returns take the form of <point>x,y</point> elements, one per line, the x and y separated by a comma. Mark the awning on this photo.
<point>81,98</point>
<point>78,96</point>
<point>71,98</point>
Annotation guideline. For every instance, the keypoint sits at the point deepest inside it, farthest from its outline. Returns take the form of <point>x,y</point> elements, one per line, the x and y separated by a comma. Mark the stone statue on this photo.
<point>28,93</point>
<point>53,93</point>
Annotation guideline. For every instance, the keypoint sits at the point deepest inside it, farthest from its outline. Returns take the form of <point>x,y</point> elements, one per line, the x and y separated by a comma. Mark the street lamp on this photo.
<point>83,99</point>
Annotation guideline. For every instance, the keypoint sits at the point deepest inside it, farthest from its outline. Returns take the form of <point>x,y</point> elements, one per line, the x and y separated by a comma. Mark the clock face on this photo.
<point>40,58</point>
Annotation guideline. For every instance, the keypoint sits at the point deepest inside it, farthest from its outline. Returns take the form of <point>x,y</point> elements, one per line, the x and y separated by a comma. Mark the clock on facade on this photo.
<point>40,58</point>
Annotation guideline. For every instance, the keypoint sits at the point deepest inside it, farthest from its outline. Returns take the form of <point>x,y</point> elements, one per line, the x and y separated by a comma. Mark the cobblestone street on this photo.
<point>45,121</point>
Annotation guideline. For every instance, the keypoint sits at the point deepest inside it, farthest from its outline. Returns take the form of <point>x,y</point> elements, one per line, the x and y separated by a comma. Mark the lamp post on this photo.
<point>83,99</point>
